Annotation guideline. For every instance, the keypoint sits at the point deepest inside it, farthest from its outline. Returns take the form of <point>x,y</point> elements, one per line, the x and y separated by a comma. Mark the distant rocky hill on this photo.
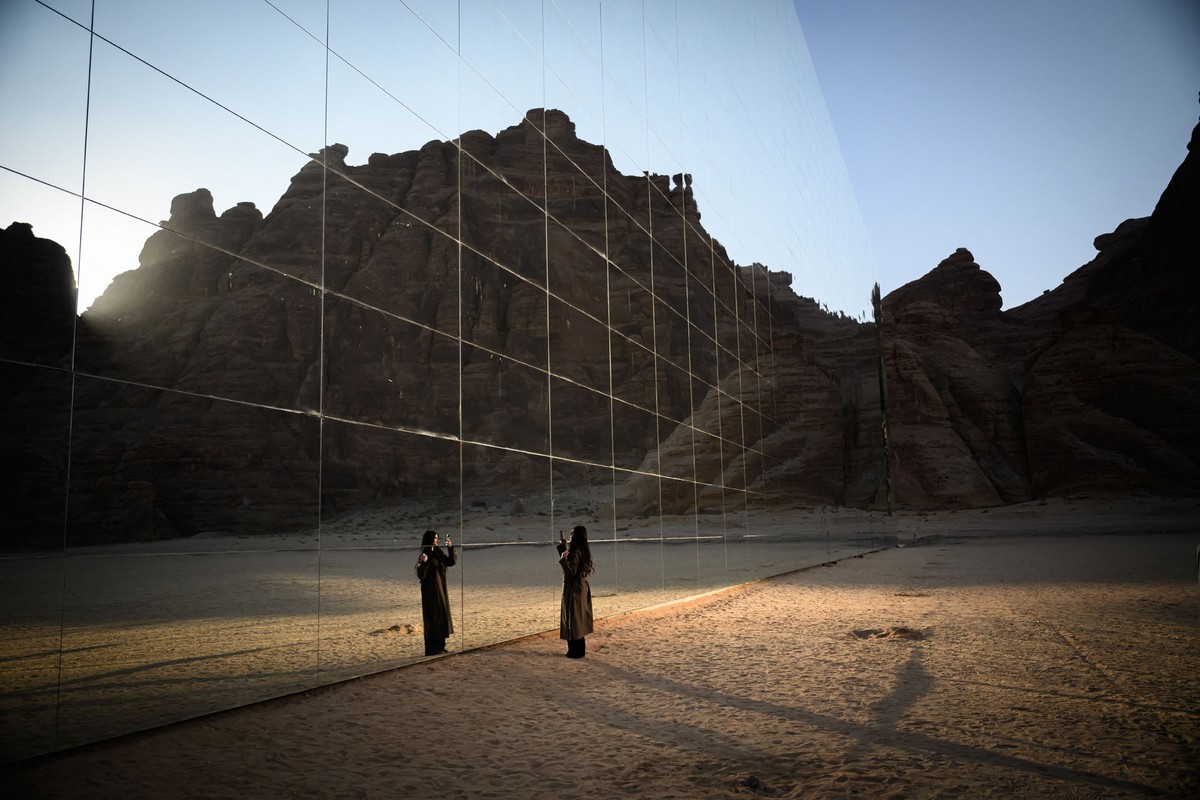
<point>1093,387</point>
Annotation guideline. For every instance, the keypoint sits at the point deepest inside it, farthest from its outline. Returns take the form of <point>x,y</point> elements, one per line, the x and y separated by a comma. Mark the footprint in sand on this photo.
<point>894,633</point>
<point>397,630</point>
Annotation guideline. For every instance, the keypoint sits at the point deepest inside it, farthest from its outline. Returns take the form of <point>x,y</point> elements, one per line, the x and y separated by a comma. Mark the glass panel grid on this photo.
<point>485,305</point>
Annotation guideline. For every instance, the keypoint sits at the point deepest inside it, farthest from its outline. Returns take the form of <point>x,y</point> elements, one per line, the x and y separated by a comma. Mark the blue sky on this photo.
<point>1019,129</point>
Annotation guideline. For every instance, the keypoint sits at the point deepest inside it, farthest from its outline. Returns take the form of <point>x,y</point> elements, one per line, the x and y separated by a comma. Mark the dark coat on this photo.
<point>575,614</point>
<point>435,600</point>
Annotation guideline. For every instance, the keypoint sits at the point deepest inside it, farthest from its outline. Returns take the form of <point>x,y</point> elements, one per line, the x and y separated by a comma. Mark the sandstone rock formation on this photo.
<point>37,323</point>
<point>39,304</point>
<point>194,393</point>
<point>1094,386</point>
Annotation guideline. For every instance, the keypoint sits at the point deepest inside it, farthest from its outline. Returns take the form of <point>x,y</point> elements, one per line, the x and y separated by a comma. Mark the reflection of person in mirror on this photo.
<point>435,600</point>
<point>575,616</point>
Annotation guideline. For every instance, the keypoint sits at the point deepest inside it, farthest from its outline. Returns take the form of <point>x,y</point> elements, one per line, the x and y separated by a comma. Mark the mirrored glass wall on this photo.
<point>293,281</point>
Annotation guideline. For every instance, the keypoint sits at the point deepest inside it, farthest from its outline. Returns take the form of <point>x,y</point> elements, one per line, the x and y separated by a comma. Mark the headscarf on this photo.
<point>581,554</point>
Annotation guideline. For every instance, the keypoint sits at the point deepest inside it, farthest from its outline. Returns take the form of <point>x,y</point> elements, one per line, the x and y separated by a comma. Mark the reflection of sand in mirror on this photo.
<point>158,632</point>
<point>30,596</point>
<point>152,638</point>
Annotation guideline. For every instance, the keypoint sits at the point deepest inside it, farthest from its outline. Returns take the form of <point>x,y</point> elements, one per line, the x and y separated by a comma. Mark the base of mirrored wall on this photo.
<point>156,635</point>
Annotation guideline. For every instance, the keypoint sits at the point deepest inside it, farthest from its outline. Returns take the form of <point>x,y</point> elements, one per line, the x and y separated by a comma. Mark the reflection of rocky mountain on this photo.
<point>1093,386</point>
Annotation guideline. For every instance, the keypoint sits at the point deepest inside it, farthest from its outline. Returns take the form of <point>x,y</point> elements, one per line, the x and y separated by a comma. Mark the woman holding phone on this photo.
<point>435,600</point>
<point>575,615</point>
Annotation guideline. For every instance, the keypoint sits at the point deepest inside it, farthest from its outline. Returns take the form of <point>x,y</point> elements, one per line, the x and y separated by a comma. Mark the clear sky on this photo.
<point>1019,129</point>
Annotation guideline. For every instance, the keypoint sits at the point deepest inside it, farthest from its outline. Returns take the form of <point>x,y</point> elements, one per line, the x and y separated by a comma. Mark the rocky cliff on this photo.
<point>1094,386</point>
<point>192,402</point>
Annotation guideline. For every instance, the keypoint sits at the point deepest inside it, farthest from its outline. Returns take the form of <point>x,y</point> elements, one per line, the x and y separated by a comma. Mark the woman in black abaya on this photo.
<point>435,600</point>
<point>575,615</point>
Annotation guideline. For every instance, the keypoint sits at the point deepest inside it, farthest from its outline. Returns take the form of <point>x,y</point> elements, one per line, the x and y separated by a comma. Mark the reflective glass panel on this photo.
<point>488,269</point>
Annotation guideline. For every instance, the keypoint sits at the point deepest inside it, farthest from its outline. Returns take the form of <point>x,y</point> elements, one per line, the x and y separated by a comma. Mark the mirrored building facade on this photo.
<point>293,281</point>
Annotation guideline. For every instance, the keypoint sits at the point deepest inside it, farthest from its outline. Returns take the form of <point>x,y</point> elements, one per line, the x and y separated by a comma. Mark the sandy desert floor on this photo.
<point>1048,664</point>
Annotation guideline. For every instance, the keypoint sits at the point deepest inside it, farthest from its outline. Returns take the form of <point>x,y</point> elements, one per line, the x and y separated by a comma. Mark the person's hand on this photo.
<point>562,539</point>
<point>422,559</point>
<point>448,542</point>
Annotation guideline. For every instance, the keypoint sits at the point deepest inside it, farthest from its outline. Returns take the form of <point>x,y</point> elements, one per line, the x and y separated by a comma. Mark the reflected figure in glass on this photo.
<point>575,616</point>
<point>435,600</point>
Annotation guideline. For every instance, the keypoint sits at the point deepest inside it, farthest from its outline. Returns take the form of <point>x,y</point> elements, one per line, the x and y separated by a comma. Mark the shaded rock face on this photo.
<point>39,305</point>
<point>1107,408</point>
<point>199,376</point>
<point>954,409</point>
<point>37,323</point>
<point>1090,387</point>
<point>219,388</point>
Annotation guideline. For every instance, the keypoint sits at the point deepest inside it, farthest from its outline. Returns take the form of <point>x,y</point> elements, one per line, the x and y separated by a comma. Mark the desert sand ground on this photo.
<point>1034,655</point>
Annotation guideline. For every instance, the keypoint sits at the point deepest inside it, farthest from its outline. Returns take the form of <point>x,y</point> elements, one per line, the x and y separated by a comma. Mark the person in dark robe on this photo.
<point>575,615</point>
<point>435,600</point>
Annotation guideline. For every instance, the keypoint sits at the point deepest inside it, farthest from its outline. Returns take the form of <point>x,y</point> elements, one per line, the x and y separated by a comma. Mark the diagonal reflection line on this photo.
<point>200,395</point>
<point>173,79</point>
<point>161,227</point>
<point>365,76</point>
